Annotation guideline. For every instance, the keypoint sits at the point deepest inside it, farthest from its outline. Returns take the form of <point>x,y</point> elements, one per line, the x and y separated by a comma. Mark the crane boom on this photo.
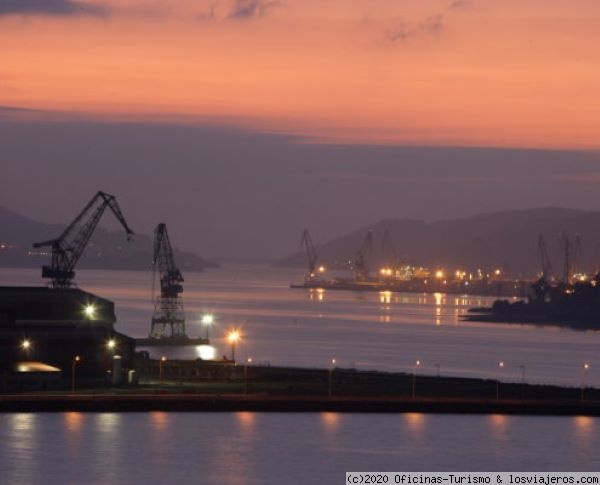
<point>311,253</point>
<point>168,319</point>
<point>69,246</point>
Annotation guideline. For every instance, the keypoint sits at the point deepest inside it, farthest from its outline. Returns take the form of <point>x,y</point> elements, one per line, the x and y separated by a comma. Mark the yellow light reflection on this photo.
<point>159,419</point>
<point>415,422</point>
<point>73,421</point>
<point>246,419</point>
<point>330,420</point>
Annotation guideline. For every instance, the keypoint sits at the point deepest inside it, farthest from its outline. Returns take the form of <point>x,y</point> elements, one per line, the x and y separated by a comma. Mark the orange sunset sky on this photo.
<point>519,73</point>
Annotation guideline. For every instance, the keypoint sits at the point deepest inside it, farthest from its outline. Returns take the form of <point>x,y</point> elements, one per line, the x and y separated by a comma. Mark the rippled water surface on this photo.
<point>255,448</point>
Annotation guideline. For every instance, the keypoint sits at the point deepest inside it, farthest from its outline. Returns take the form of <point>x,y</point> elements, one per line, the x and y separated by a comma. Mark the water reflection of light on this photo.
<point>159,420</point>
<point>385,318</point>
<point>330,420</point>
<point>498,424</point>
<point>438,316</point>
<point>206,352</point>
<point>438,298</point>
<point>584,428</point>
<point>245,419</point>
<point>316,294</point>
<point>73,421</point>
<point>385,297</point>
<point>415,422</point>
<point>109,422</point>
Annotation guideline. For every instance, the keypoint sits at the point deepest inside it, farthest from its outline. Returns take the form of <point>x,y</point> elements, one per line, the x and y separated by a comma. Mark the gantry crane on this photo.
<point>311,254</point>
<point>361,269</point>
<point>69,246</point>
<point>168,319</point>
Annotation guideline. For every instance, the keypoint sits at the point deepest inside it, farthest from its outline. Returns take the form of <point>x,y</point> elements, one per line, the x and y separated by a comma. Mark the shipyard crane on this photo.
<point>69,246</point>
<point>361,269</point>
<point>541,288</point>
<point>544,259</point>
<point>568,258</point>
<point>168,319</point>
<point>390,259</point>
<point>578,256</point>
<point>311,254</point>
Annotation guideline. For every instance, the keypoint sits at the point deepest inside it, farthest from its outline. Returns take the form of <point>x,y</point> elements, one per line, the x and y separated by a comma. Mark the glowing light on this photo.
<point>233,336</point>
<point>76,359</point>
<point>249,360</point>
<point>500,364</point>
<point>90,311</point>
<point>111,344</point>
<point>439,274</point>
<point>333,361</point>
<point>163,359</point>
<point>207,319</point>
<point>497,272</point>
<point>26,344</point>
<point>206,352</point>
<point>321,269</point>
<point>586,366</point>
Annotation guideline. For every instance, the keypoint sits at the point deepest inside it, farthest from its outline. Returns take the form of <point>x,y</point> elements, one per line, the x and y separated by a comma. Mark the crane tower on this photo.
<point>168,319</point>
<point>69,246</point>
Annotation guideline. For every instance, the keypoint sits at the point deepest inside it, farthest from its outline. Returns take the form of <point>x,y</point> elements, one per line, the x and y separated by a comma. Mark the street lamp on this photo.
<point>111,344</point>
<point>584,369</point>
<point>248,361</point>
<point>330,381</point>
<point>162,360</point>
<point>207,320</point>
<point>500,367</point>
<point>233,336</point>
<point>74,363</point>
<point>414,376</point>
<point>26,345</point>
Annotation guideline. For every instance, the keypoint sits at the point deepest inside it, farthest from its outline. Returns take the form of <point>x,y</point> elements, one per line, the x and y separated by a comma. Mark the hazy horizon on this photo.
<point>229,192</point>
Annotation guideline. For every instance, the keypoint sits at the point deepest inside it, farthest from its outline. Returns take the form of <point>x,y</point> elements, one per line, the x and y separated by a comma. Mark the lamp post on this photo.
<point>74,363</point>
<point>414,377</point>
<point>233,336</point>
<point>500,367</point>
<point>248,361</point>
<point>207,320</point>
<point>584,369</point>
<point>330,380</point>
<point>162,360</point>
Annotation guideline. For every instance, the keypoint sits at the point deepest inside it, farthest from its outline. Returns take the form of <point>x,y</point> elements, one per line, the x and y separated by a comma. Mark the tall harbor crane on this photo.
<point>168,319</point>
<point>567,247</point>
<point>311,254</point>
<point>388,250</point>
<point>361,269</point>
<point>544,259</point>
<point>69,246</point>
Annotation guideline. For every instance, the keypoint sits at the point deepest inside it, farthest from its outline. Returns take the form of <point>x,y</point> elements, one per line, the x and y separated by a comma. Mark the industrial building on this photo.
<point>65,328</point>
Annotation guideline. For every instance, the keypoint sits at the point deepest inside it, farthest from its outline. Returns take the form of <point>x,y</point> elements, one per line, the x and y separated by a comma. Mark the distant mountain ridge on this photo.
<point>107,249</point>
<point>506,239</point>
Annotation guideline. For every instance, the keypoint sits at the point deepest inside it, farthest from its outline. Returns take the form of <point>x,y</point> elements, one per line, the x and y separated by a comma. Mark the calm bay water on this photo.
<point>364,330</point>
<point>297,327</point>
<point>254,448</point>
